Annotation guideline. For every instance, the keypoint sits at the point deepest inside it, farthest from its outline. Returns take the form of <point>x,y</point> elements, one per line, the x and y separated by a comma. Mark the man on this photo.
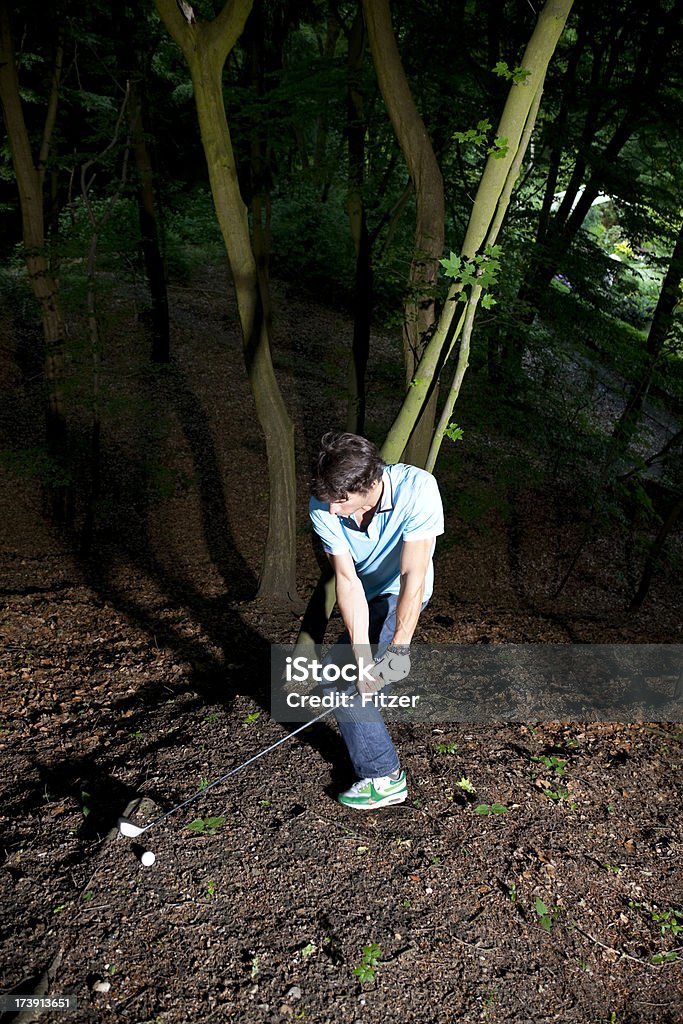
<point>378,525</point>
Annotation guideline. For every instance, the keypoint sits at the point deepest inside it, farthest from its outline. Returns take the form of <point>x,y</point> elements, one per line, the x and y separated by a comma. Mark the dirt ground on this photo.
<point>140,669</point>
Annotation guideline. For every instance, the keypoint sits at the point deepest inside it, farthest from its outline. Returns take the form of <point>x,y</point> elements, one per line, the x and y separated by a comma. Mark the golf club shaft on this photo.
<point>233,771</point>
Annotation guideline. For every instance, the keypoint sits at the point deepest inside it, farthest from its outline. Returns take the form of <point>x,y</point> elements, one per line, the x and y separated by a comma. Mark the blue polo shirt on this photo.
<point>410,509</point>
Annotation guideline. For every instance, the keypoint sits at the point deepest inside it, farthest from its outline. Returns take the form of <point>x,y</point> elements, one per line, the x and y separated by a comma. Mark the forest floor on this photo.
<point>140,668</point>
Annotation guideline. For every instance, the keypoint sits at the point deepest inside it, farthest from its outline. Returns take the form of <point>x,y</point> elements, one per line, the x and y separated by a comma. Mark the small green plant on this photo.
<point>557,764</point>
<point>612,869</point>
<point>489,1003</point>
<point>309,949</point>
<point>206,826</point>
<point>546,916</point>
<point>668,921</point>
<point>264,803</point>
<point>211,717</point>
<point>485,809</point>
<point>211,888</point>
<point>559,794</point>
<point>85,803</point>
<point>59,909</point>
<point>466,786</point>
<point>87,896</point>
<point>512,893</point>
<point>446,748</point>
<point>253,717</point>
<point>203,783</point>
<point>111,968</point>
<point>665,958</point>
<point>369,963</point>
<point>255,966</point>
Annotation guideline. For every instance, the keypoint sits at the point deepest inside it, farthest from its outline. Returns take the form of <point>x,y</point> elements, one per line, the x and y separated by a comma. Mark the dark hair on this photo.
<point>346,463</point>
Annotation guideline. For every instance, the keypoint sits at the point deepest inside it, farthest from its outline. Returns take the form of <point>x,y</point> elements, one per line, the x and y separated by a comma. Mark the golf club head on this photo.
<point>128,829</point>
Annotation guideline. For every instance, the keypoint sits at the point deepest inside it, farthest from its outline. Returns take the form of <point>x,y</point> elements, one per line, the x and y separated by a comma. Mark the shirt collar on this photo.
<point>387,502</point>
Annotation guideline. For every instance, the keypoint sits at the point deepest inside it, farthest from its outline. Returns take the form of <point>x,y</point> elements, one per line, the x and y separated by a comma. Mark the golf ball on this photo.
<point>147,858</point>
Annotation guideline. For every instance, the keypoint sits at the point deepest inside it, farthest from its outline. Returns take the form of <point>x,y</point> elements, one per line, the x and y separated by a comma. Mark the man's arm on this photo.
<point>352,603</point>
<point>415,559</point>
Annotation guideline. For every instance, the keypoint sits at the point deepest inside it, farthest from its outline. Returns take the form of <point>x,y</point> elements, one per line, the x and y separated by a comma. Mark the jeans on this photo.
<point>366,736</point>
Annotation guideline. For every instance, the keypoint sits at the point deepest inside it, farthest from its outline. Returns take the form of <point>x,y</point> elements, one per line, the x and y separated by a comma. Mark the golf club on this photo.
<point>132,831</point>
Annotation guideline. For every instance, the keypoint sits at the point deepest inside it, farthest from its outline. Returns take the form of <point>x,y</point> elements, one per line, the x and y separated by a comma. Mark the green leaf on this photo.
<point>364,973</point>
<point>517,75</point>
<point>451,265</point>
<point>372,953</point>
<point>540,907</point>
<point>454,432</point>
<point>215,822</point>
<point>499,149</point>
<point>488,301</point>
<point>482,809</point>
<point>498,809</point>
<point>502,70</point>
<point>197,825</point>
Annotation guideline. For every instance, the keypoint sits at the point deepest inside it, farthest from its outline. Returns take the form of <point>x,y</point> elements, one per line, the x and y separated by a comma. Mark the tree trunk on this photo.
<point>29,177</point>
<point>426,176</point>
<point>662,322</point>
<point>655,553</point>
<point>155,268</point>
<point>364,280</point>
<point>206,48</point>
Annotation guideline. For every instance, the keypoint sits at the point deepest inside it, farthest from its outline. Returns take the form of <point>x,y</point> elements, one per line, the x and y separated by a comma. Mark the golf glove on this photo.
<point>394,664</point>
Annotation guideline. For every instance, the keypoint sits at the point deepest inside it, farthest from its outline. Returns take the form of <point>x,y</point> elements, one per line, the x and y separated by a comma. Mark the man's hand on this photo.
<point>393,666</point>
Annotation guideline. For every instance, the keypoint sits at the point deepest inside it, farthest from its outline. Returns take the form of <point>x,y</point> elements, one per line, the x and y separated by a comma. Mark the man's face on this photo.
<point>355,501</point>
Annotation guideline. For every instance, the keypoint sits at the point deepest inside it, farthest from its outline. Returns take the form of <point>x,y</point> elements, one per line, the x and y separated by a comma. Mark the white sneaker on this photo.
<point>371,793</point>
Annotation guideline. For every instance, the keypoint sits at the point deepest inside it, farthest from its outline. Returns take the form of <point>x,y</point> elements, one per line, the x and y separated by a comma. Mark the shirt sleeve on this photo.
<point>328,529</point>
<point>426,514</point>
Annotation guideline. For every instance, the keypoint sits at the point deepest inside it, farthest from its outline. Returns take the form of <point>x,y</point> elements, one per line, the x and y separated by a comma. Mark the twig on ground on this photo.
<point>620,953</point>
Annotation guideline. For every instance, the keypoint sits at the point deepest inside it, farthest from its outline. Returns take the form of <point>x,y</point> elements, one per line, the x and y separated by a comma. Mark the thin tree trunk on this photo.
<point>655,553</point>
<point>150,234</point>
<point>206,48</point>
<point>420,306</point>
<point>363,285</point>
<point>30,177</point>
